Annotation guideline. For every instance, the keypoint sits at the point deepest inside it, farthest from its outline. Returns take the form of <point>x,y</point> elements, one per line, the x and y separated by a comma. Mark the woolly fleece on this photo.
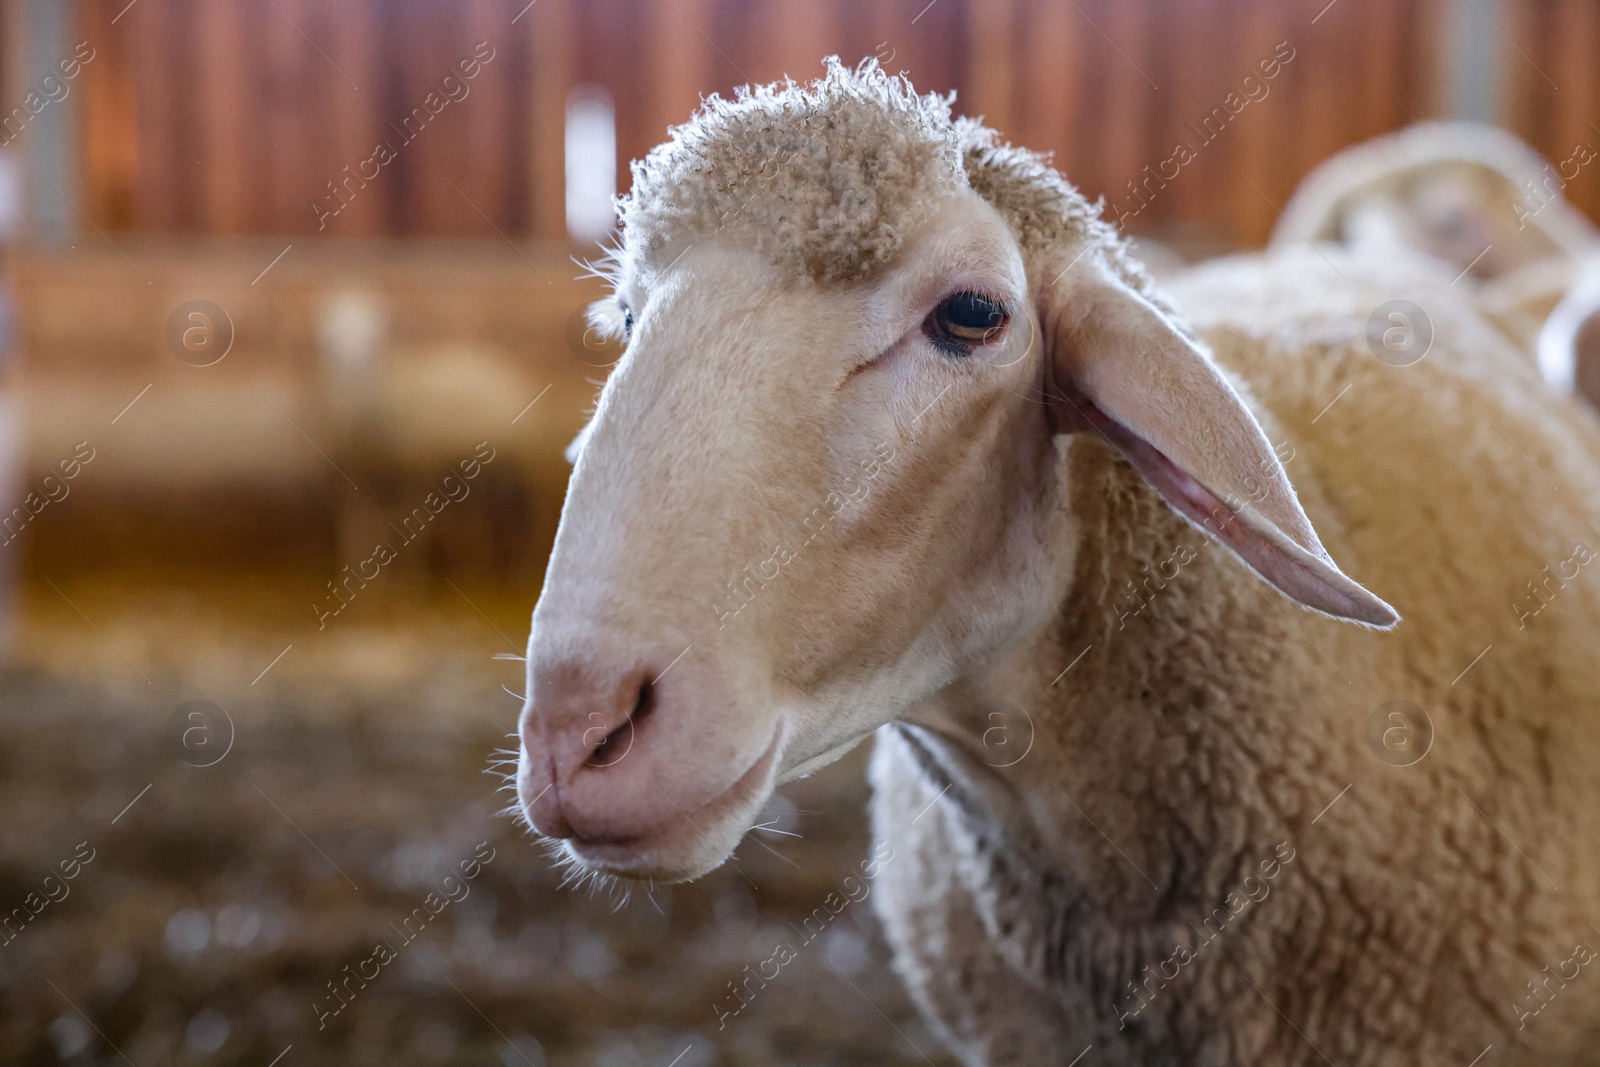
<point>1201,729</point>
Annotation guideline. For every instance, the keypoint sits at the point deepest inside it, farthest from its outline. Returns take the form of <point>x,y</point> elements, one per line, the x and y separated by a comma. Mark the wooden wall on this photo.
<point>1111,86</point>
<point>230,116</point>
<point>1554,88</point>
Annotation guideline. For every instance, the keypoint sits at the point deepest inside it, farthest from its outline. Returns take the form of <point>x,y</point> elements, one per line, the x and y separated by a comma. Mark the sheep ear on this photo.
<point>1121,369</point>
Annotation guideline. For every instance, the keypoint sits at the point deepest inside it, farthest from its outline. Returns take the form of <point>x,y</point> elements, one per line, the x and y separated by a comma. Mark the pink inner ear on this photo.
<point>1312,581</point>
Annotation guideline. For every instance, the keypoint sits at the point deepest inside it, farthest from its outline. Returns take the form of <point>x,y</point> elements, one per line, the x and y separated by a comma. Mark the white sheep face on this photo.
<point>799,508</point>
<point>803,507</point>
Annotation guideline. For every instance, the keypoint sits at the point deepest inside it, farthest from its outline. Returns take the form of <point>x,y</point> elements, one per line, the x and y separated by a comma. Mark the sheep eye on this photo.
<point>965,319</point>
<point>627,323</point>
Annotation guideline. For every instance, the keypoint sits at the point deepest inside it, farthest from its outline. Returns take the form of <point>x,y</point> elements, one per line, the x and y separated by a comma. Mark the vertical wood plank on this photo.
<point>110,121</point>
<point>990,73</point>
<point>1574,62</point>
<point>552,37</point>
<point>294,185</point>
<point>1119,34</point>
<point>1377,109</point>
<point>1258,130</point>
<point>801,33</point>
<point>152,199</point>
<point>1054,85</point>
<point>681,58</point>
<point>345,32</point>
<point>483,113</point>
<point>221,65</point>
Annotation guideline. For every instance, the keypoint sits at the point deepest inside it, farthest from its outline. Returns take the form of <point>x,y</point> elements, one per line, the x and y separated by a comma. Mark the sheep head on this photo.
<point>825,481</point>
<point>1471,197</point>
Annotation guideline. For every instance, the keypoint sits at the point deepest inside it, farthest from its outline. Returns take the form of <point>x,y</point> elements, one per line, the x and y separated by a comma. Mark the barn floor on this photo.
<point>228,885</point>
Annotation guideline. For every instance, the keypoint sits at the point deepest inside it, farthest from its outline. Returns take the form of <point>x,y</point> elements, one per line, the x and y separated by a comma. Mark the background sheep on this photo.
<point>1476,201</point>
<point>844,304</point>
<point>1467,195</point>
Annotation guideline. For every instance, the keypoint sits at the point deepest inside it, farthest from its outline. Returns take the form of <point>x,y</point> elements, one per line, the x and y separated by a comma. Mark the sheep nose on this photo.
<point>626,743</point>
<point>577,724</point>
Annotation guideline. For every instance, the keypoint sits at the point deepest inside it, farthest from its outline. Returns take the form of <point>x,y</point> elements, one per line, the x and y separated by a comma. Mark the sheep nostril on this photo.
<point>614,746</point>
<point>644,705</point>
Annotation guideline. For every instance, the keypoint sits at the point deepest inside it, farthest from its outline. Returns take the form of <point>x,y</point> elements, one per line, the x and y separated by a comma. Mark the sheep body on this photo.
<point>1187,728</point>
<point>1472,200</point>
<point>1179,754</point>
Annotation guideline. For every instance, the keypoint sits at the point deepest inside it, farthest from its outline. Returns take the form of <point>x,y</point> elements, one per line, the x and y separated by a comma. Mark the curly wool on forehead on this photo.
<point>829,180</point>
<point>825,180</point>
<point>1043,209</point>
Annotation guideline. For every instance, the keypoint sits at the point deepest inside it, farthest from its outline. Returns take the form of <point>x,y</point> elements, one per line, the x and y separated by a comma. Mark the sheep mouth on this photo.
<point>692,843</point>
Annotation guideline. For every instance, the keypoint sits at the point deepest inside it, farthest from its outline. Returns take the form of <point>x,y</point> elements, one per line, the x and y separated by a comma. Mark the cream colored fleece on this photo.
<point>1217,728</point>
<point>1206,724</point>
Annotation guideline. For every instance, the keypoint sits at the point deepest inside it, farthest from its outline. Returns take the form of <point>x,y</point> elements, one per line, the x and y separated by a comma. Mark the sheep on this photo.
<point>1480,202</point>
<point>904,443</point>
<point>1468,195</point>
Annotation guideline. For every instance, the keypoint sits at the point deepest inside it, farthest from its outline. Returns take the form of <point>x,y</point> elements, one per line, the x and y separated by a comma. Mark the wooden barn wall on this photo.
<point>230,116</point>
<point>1554,89</point>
